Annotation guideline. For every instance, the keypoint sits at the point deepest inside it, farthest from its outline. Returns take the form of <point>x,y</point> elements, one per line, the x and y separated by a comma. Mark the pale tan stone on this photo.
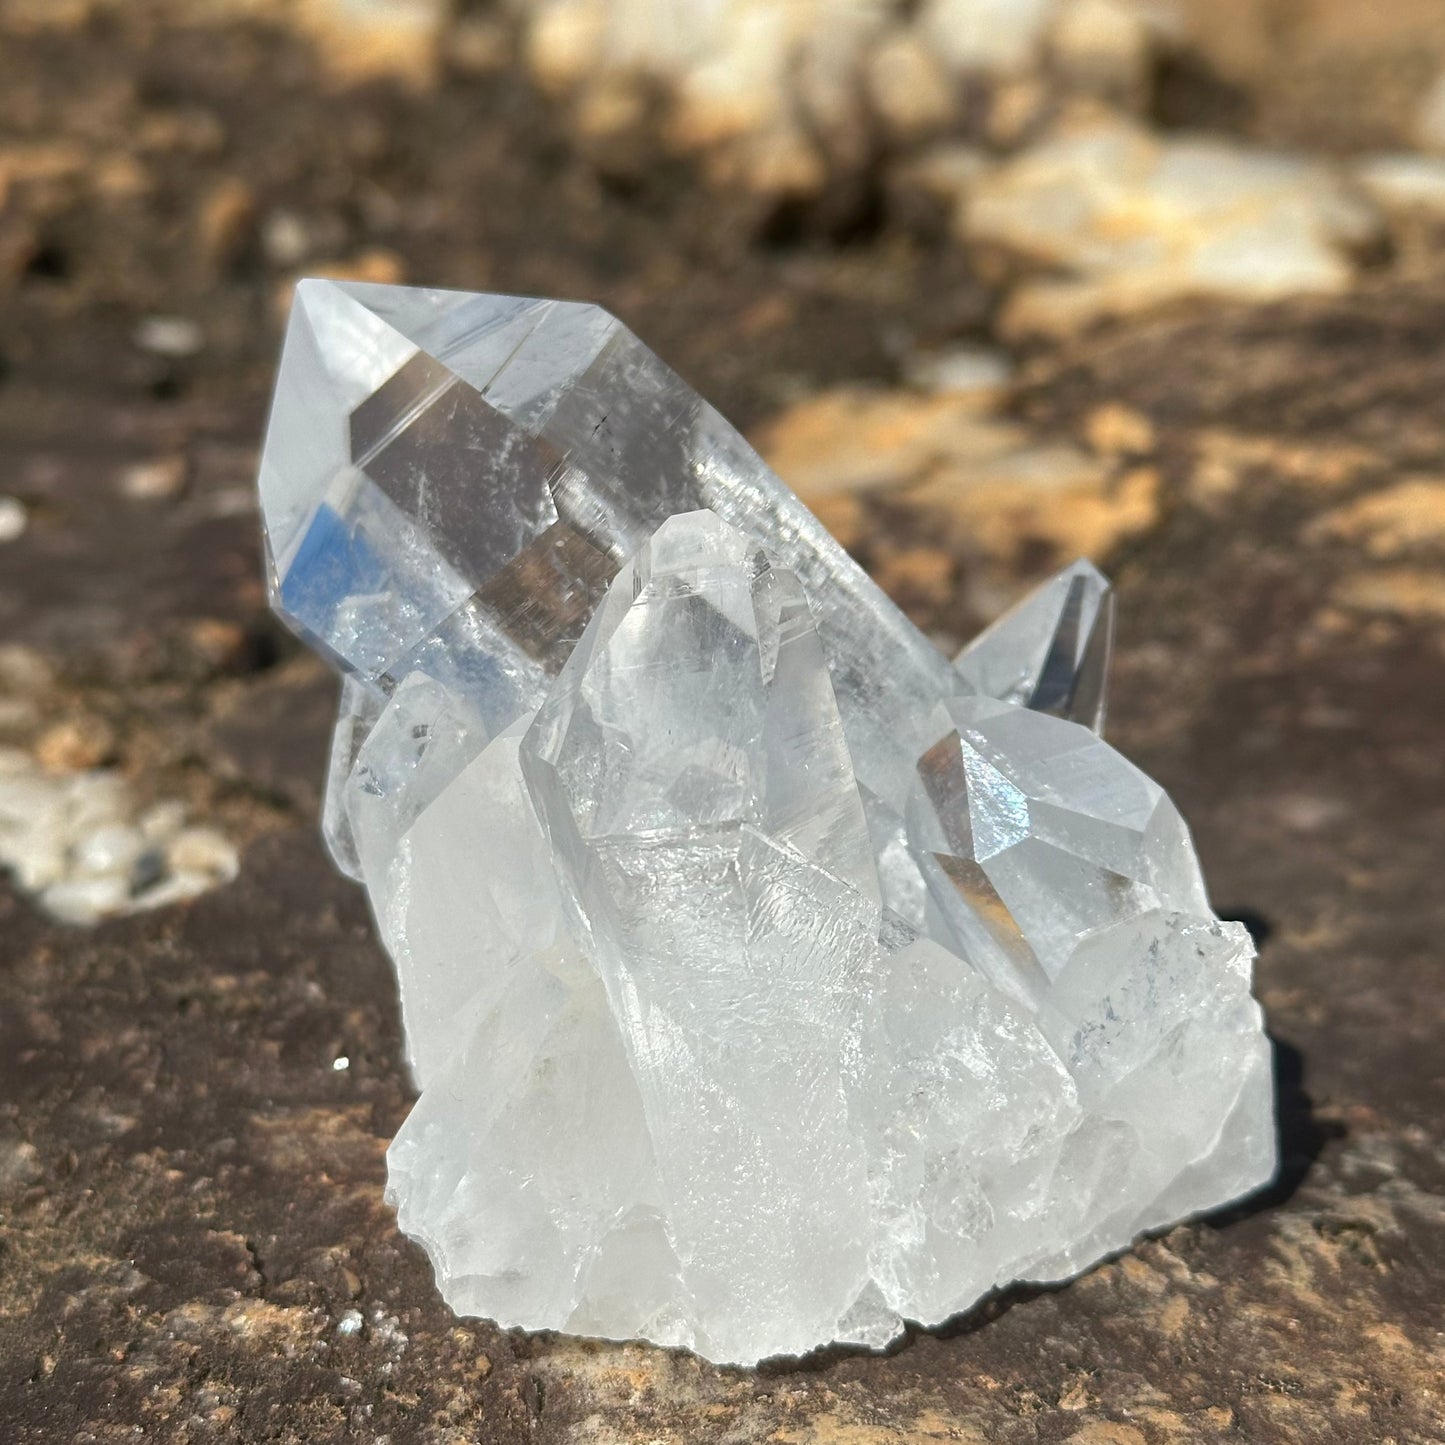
<point>360,38</point>
<point>1399,519</point>
<point>563,43</point>
<point>1430,121</point>
<point>1106,218</point>
<point>1105,47</point>
<point>1407,592</point>
<point>75,744</point>
<point>1405,184</point>
<point>998,489</point>
<point>1118,430</point>
<point>909,90</point>
<point>992,36</point>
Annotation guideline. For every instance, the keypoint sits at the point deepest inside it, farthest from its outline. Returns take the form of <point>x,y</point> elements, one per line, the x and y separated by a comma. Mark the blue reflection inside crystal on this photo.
<point>333,562</point>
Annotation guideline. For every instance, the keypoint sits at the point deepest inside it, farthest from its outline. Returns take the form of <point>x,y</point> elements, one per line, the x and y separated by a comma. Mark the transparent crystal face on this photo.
<point>767,979</point>
<point>450,481</point>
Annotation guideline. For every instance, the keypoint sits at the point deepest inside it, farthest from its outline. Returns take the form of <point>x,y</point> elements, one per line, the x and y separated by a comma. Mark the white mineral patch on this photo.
<point>1406,184</point>
<point>174,336</point>
<point>79,846</point>
<point>768,979</point>
<point>977,371</point>
<point>14,519</point>
<point>780,94</point>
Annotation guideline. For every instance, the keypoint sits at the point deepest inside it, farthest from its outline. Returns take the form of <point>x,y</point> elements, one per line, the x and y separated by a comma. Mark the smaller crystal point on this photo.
<point>1051,652</point>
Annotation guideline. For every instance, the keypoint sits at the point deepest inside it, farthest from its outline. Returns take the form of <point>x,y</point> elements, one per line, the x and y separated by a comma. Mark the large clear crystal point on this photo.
<point>767,980</point>
<point>450,481</point>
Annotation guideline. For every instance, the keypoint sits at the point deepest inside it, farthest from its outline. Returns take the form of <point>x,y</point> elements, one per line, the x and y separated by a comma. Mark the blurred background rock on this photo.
<point>993,283</point>
<point>921,200</point>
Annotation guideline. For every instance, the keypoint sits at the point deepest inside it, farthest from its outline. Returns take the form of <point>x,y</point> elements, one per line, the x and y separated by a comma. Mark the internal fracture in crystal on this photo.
<point>767,979</point>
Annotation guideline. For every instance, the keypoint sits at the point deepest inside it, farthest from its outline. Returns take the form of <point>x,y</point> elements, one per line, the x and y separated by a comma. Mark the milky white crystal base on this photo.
<point>767,980</point>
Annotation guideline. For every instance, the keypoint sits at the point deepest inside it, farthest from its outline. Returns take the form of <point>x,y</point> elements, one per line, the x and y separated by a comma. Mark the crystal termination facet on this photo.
<point>768,980</point>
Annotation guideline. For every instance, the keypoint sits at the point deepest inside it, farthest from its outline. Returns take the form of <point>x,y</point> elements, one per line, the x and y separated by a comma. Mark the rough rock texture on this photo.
<point>193,1232</point>
<point>191,1238</point>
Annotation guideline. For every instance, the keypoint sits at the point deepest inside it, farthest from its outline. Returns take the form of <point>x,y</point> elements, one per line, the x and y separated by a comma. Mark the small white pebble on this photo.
<point>32,802</point>
<point>162,821</point>
<point>285,239</point>
<point>154,481</point>
<point>962,369</point>
<point>350,1323</point>
<point>19,1162</point>
<point>23,670</point>
<point>18,714</point>
<point>203,851</point>
<point>387,1330</point>
<point>340,1063</point>
<point>84,900</point>
<point>13,519</point>
<point>15,763</point>
<point>174,336</point>
<point>37,860</point>
<point>111,848</point>
<point>95,798</point>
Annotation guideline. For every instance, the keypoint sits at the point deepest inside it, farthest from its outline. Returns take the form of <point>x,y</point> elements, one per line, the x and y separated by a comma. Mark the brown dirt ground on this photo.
<point>190,1195</point>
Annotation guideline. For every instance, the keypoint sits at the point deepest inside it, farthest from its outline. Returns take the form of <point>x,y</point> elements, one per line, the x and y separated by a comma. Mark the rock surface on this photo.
<point>194,1103</point>
<point>1112,220</point>
<point>201,1098</point>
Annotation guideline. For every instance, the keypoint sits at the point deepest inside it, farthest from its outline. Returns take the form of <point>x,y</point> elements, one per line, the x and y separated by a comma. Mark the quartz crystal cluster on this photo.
<point>768,978</point>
